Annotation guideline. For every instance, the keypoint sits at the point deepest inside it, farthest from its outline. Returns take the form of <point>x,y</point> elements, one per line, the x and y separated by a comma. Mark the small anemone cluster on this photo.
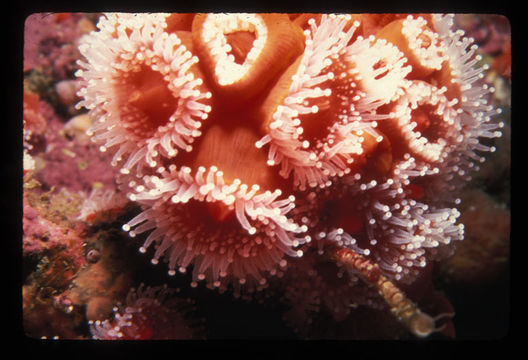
<point>149,313</point>
<point>250,138</point>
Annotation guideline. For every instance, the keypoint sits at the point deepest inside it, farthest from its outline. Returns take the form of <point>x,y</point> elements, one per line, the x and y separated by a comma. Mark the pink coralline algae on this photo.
<point>50,42</point>
<point>42,234</point>
<point>81,161</point>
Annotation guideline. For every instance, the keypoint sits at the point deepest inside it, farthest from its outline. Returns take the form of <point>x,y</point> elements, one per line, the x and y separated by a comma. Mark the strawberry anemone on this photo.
<point>148,313</point>
<point>423,123</point>
<point>321,116</point>
<point>383,220</point>
<point>398,209</point>
<point>298,132</point>
<point>144,89</point>
<point>224,212</point>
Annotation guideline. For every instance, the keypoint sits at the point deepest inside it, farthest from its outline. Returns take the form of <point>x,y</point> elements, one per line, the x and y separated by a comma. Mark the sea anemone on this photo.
<point>322,120</point>
<point>420,44</point>
<point>423,123</point>
<point>326,131</point>
<point>381,220</point>
<point>462,78</point>
<point>203,219</point>
<point>149,313</point>
<point>143,87</point>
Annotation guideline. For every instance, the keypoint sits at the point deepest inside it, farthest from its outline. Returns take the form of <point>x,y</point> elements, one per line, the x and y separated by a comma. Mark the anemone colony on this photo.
<point>251,138</point>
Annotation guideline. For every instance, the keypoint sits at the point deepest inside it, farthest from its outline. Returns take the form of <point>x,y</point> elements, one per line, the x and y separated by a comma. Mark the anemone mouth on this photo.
<point>429,123</point>
<point>145,102</point>
<point>240,44</point>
